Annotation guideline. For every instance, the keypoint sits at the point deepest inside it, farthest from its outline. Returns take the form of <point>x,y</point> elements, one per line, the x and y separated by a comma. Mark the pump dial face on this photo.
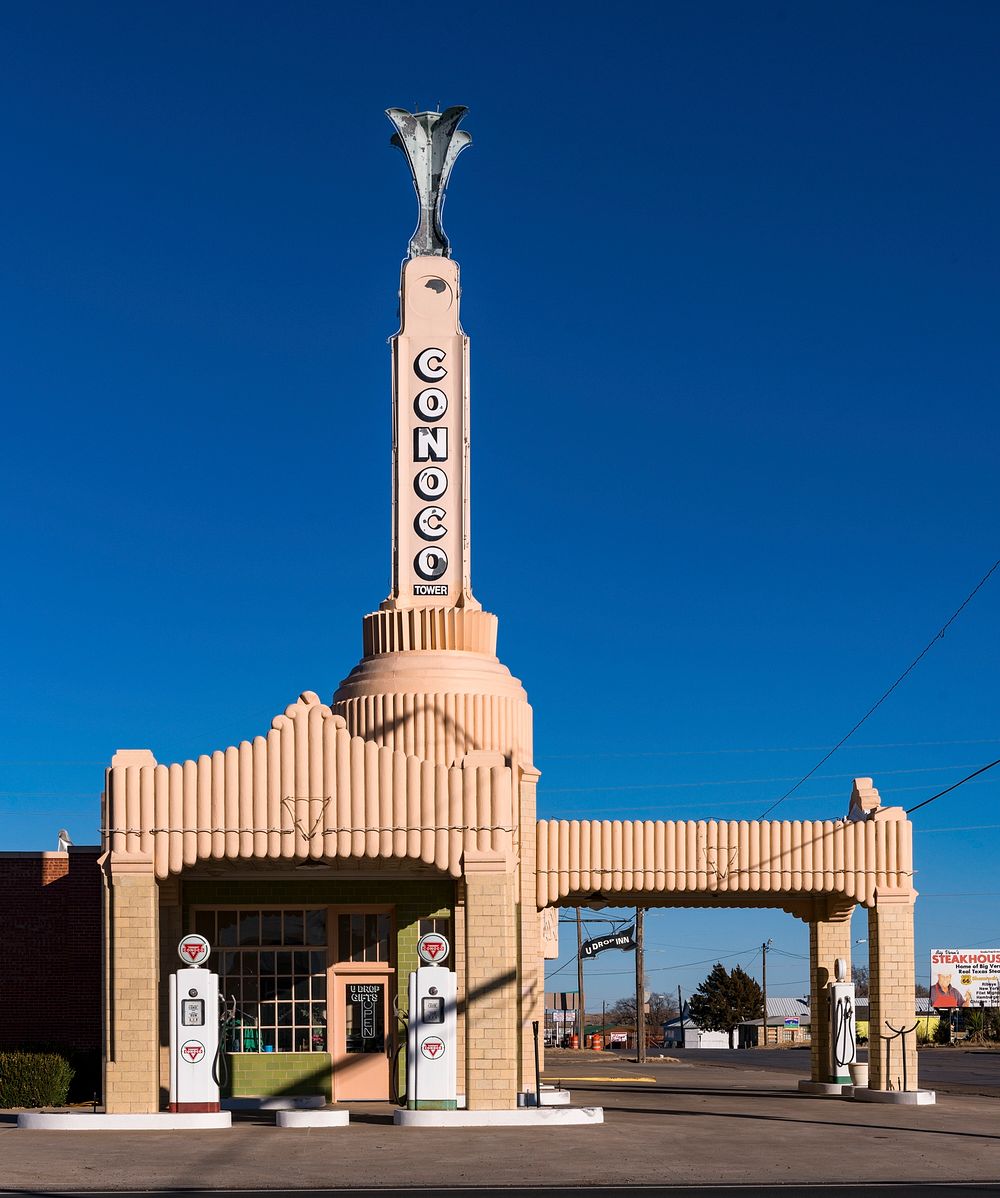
<point>193,1012</point>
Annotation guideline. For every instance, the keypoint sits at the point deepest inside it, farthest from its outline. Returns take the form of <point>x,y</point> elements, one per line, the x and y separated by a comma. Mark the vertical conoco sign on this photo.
<point>430,439</point>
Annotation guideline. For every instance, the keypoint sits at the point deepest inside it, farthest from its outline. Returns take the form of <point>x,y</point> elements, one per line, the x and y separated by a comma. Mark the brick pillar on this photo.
<point>891,990</point>
<point>530,963</point>
<point>829,938</point>
<point>131,942</point>
<point>491,982</point>
<point>458,961</point>
<point>171,932</point>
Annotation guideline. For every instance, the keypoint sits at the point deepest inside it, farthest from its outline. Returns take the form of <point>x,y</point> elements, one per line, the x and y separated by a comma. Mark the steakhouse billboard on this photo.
<point>965,977</point>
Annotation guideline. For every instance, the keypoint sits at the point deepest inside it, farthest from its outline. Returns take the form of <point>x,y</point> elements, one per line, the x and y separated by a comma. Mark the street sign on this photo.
<point>624,940</point>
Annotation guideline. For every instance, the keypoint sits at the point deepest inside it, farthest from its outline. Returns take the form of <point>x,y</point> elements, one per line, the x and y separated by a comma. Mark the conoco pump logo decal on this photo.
<point>192,1051</point>
<point>432,1048</point>
<point>433,948</point>
<point>194,949</point>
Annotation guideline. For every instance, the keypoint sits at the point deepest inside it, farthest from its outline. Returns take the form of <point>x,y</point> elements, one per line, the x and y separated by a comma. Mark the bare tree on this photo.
<point>661,1008</point>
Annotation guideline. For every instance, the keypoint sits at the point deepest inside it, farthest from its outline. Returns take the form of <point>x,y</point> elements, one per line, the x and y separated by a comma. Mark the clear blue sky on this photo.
<point>730,273</point>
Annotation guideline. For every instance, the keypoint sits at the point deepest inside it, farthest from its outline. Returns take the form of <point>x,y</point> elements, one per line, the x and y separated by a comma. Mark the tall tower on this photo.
<point>430,682</point>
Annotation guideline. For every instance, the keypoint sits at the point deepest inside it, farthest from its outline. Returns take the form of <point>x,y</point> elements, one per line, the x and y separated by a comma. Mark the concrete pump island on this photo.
<point>361,896</point>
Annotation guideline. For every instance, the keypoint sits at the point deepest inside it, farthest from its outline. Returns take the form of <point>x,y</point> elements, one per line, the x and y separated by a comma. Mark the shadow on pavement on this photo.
<point>847,1123</point>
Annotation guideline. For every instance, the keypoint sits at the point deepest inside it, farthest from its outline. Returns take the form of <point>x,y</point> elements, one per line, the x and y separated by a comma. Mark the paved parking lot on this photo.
<point>951,1070</point>
<point>685,1123</point>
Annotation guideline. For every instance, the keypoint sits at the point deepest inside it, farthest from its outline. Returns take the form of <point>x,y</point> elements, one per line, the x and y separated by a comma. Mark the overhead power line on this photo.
<point>955,786</point>
<point>566,790</point>
<point>609,973</point>
<point>899,744</point>
<point>885,695</point>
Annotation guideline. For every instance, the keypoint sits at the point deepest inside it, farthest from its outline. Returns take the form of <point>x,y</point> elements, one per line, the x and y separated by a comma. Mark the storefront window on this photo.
<point>439,925</point>
<point>272,969</point>
<point>363,937</point>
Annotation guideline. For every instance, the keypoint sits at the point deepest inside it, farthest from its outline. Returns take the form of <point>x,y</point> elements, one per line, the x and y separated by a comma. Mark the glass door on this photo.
<point>361,1045</point>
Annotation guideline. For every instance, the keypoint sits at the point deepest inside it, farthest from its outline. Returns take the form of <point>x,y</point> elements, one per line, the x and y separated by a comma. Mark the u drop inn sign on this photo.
<point>624,940</point>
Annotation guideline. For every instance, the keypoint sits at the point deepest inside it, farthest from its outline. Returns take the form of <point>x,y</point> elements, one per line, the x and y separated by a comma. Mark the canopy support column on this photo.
<point>491,986</point>
<point>829,938</point>
<point>891,995</point>
<point>131,965</point>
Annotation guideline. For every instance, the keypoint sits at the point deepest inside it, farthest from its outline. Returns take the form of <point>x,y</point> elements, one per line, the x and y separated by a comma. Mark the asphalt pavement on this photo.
<point>669,1128</point>
<point>947,1190</point>
<point>947,1070</point>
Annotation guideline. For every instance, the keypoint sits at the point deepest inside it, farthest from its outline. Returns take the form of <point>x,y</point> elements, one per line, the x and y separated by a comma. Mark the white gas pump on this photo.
<point>194,1030</point>
<point>431,1057</point>
<point>843,1030</point>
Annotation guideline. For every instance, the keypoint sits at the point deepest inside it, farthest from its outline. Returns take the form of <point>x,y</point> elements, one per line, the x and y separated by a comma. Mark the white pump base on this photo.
<point>163,1121</point>
<point>539,1117</point>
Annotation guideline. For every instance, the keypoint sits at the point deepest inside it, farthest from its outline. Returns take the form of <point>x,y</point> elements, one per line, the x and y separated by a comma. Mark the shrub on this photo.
<point>942,1033</point>
<point>975,1025</point>
<point>32,1079</point>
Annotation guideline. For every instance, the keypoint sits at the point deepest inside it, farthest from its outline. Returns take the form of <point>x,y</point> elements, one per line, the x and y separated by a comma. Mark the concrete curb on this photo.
<point>539,1117</point>
<point>826,1089</point>
<point>896,1097</point>
<point>312,1119</point>
<point>158,1122</point>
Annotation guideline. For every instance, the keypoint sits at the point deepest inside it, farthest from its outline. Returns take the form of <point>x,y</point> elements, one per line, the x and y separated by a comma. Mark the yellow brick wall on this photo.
<point>531,990</point>
<point>491,955</point>
<point>891,991</point>
<point>458,949</point>
<point>131,1082</point>
<point>171,931</point>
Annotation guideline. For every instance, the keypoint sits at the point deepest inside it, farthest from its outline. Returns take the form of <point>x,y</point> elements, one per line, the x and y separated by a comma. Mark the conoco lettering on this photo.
<point>431,404</point>
<point>431,483</point>
<point>431,563</point>
<point>430,444</point>
<point>428,523</point>
<point>428,365</point>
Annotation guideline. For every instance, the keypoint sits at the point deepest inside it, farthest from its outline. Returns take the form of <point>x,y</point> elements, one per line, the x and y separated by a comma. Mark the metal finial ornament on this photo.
<point>431,142</point>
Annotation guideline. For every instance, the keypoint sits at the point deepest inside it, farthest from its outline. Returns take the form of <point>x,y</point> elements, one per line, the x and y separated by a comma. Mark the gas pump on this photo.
<point>843,1037</point>
<point>194,1030</point>
<point>431,1074</point>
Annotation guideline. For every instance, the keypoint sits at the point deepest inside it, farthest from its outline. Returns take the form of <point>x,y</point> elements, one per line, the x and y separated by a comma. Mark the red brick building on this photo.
<point>50,950</point>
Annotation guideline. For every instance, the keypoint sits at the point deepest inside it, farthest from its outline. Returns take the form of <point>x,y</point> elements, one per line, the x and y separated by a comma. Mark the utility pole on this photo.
<point>763,948</point>
<point>640,986</point>
<point>680,1013</point>
<point>580,1003</point>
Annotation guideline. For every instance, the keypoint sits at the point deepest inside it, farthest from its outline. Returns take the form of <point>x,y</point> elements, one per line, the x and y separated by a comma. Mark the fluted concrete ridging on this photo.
<point>309,790</point>
<point>742,859</point>
<point>441,727</point>
<point>401,629</point>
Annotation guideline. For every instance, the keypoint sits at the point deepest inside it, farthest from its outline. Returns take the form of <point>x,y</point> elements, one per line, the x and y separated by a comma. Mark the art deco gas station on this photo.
<point>314,856</point>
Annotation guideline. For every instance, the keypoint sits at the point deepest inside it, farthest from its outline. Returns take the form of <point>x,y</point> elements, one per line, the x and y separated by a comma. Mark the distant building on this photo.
<point>683,1032</point>
<point>788,1022</point>
<point>562,1018</point>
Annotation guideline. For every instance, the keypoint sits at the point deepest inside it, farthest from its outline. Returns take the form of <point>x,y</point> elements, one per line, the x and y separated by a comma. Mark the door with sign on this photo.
<point>361,1047</point>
